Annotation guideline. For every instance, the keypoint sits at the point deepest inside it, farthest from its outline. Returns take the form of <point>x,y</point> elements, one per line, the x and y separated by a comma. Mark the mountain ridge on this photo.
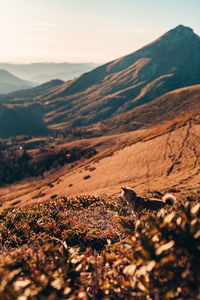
<point>123,62</point>
<point>129,81</point>
<point>10,83</point>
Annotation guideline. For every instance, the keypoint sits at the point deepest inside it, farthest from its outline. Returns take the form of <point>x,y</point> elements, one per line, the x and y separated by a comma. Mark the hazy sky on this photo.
<point>87,30</point>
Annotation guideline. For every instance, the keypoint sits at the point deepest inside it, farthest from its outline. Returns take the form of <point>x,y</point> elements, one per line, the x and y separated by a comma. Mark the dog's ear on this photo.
<point>124,188</point>
<point>129,191</point>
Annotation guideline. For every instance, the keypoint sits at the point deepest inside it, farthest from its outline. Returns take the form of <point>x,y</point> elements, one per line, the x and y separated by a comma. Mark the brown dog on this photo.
<point>137,204</point>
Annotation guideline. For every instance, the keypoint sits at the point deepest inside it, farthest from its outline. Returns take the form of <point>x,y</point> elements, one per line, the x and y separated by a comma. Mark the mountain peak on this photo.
<point>180,32</point>
<point>182,29</point>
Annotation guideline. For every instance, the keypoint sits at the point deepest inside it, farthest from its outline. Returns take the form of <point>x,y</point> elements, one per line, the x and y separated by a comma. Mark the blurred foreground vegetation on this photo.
<point>93,248</point>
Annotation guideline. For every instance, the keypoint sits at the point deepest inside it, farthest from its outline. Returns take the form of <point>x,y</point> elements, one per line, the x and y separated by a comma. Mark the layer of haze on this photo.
<point>87,30</point>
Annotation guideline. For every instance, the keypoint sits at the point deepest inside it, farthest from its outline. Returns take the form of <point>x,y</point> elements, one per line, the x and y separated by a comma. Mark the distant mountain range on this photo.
<point>42,72</point>
<point>10,83</point>
<point>115,93</point>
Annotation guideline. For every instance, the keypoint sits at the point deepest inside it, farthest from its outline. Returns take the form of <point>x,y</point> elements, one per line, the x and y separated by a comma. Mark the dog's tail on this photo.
<point>169,199</point>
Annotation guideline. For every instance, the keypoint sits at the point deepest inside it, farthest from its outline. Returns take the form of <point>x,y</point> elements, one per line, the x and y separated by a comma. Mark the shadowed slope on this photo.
<point>166,107</point>
<point>31,94</point>
<point>21,121</point>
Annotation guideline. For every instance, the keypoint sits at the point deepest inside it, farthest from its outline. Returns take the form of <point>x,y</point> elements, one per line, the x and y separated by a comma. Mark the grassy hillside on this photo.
<point>166,107</point>
<point>166,156</point>
<point>169,106</point>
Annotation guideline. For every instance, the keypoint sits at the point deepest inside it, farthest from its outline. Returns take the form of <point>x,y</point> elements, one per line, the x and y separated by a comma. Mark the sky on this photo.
<point>87,30</point>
